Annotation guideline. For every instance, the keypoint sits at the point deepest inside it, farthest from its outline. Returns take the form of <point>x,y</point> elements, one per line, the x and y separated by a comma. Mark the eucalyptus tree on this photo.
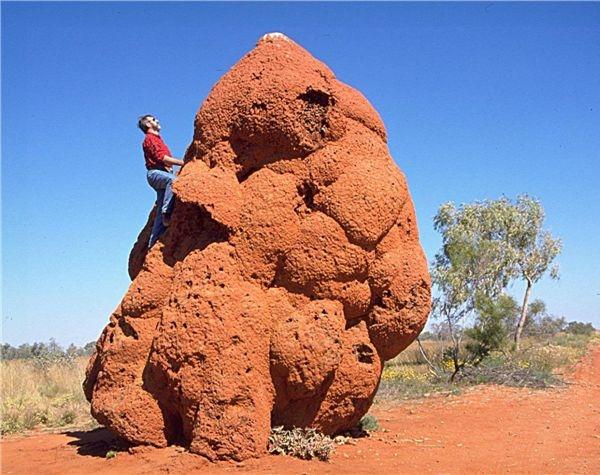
<point>534,249</point>
<point>475,260</point>
<point>486,245</point>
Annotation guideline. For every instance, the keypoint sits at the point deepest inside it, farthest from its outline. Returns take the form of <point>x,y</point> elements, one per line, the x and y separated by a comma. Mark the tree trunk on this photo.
<point>429,363</point>
<point>457,365</point>
<point>455,348</point>
<point>523,317</point>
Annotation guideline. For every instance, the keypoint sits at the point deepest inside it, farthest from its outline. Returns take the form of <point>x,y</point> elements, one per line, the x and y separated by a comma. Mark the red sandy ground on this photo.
<point>487,430</point>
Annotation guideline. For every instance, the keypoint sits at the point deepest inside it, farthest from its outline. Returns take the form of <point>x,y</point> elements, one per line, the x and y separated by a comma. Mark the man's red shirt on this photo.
<point>154,152</point>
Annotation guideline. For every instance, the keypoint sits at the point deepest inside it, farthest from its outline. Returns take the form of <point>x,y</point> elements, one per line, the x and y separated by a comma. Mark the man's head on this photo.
<point>148,123</point>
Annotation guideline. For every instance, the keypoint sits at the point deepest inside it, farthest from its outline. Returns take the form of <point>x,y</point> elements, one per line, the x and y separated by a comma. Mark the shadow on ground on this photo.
<point>97,442</point>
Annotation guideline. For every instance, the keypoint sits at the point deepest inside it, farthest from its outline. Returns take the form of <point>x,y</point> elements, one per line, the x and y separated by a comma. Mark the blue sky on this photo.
<point>480,100</point>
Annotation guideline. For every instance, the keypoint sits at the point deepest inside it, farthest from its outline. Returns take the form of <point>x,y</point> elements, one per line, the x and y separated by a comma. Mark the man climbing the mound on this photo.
<point>159,163</point>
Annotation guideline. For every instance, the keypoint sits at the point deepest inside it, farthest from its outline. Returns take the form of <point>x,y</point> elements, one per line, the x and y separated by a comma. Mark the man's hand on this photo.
<point>172,161</point>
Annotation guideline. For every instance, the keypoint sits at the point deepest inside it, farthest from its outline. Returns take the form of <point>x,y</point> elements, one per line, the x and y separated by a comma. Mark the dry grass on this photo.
<point>305,444</point>
<point>408,376</point>
<point>411,356</point>
<point>42,393</point>
<point>535,366</point>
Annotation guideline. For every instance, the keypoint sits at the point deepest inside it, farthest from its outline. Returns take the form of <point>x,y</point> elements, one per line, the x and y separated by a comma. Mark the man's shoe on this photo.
<point>166,219</point>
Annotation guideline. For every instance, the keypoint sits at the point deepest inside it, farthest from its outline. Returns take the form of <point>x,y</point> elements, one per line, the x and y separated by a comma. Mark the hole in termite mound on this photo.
<point>314,96</point>
<point>127,329</point>
<point>316,111</point>
<point>364,353</point>
<point>307,192</point>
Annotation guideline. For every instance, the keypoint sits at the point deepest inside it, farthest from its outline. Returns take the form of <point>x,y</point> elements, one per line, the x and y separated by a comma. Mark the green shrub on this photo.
<point>492,325</point>
<point>579,328</point>
<point>368,423</point>
<point>67,418</point>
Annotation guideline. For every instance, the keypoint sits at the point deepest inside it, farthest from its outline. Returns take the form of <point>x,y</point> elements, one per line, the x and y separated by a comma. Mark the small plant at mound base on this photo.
<point>369,424</point>
<point>302,443</point>
<point>111,454</point>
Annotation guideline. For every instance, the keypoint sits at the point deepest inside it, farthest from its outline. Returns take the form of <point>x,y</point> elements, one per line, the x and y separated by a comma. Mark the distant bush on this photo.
<point>408,376</point>
<point>579,328</point>
<point>541,324</point>
<point>426,335</point>
<point>578,342</point>
<point>534,365</point>
<point>50,351</point>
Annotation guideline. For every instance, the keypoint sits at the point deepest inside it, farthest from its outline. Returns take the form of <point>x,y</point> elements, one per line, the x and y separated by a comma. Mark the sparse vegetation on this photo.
<point>302,443</point>
<point>503,370</point>
<point>535,365</point>
<point>43,392</point>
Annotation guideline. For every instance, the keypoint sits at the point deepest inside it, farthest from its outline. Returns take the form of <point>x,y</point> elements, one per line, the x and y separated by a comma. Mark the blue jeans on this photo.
<point>161,181</point>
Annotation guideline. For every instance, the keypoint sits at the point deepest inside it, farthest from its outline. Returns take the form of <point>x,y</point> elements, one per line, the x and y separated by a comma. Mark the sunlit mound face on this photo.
<point>292,269</point>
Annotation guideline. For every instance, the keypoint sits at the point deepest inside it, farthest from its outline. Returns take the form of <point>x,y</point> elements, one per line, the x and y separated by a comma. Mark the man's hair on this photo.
<point>142,122</point>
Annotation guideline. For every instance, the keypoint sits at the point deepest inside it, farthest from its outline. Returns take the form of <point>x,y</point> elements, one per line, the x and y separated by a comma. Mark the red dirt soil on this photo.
<point>490,429</point>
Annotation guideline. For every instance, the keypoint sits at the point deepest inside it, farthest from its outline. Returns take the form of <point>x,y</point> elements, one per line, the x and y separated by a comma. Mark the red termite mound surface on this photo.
<point>291,271</point>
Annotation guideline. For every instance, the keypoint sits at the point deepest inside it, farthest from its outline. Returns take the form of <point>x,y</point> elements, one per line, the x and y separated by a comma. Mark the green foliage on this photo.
<point>488,244</point>
<point>580,328</point>
<point>67,418</point>
<point>494,320</point>
<point>535,365</point>
<point>44,352</point>
<point>476,262</point>
<point>485,246</point>
<point>368,423</point>
<point>548,325</point>
<point>534,248</point>
<point>302,443</point>
<point>577,342</point>
<point>111,454</point>
<point>475,257</point>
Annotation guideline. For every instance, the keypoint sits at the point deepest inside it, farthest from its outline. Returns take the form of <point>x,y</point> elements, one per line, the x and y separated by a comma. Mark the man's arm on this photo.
<point>172,161</point>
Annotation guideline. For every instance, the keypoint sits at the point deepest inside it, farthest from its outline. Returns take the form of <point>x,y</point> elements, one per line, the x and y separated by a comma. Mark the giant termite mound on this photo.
<point>291,271</point>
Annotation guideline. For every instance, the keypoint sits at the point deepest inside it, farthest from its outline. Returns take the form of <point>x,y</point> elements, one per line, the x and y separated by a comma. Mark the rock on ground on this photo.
<point>291,271</point>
